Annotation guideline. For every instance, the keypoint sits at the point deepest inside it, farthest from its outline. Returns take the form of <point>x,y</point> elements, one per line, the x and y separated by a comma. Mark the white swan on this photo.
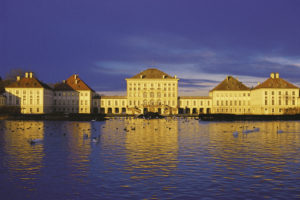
<point>235,134</point>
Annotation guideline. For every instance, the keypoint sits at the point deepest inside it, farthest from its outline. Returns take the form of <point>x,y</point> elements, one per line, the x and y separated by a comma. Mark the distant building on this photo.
<point>194,105</point>
<point>73,96</point>
<point>274,96</point>
<point>111,104</point>
<point>152,91</point>
<point>30,94</point>
<point>231,96</point>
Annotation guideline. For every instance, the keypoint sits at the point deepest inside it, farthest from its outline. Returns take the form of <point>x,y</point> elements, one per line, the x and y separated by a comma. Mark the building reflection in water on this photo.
<point>264,148</point>
<point>24,161</point>
<point>79,148</point>
<point>151,147</point>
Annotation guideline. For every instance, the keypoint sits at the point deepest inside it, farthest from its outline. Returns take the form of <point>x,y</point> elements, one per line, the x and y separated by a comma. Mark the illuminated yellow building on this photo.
<point>110,104</point>
<point>195,105</point>
<point>152,91</point>
<point>30,94</point>
<point>274,96</point>
<point>231,96</point>
<point>73,96</point>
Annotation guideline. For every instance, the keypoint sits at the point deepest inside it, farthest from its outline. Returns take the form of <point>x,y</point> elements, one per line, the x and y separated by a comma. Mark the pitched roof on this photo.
<point>62,86</point>
<point>152,73</point>
<point>76,83</point>
<point>230,83</point>
<point>28,83</point>
<point>275,83</point>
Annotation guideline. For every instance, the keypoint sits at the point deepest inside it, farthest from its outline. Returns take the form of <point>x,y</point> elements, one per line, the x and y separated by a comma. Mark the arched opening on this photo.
<point>180,111</point>
<point>194,111</point>
<point>117,110</point>
<point>201,110</point>
<point>123,110</point>
<point>109,110</point>
<point>208,111</point>
<point>187,111</point>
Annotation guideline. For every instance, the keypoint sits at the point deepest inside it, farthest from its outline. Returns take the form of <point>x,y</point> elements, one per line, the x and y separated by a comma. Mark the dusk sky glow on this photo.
<point>200,41</point>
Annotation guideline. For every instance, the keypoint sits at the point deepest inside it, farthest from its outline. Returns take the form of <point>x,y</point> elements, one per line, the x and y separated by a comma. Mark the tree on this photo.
<point>13,73</point>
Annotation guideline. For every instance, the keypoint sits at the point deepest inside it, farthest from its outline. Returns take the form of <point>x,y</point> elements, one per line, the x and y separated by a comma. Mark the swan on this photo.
<point>235,134</point>
<point>279,130</point>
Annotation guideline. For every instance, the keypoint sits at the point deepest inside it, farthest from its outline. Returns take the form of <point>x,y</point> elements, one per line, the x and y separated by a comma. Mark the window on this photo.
<point>293,101</point>
<point>37,110</point>
<point>266,93</point>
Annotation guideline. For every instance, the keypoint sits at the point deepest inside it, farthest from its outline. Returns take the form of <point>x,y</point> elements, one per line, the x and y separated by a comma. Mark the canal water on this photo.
<point>149,159</point>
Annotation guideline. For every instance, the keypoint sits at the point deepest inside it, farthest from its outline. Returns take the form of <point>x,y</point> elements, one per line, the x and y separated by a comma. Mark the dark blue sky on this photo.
<point>200,41</point>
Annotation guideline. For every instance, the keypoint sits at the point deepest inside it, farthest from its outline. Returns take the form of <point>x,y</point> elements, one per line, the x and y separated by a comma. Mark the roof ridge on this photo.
<point>152,73</point>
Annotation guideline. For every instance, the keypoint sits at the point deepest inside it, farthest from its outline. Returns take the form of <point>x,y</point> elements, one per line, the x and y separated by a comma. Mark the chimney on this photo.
<point>237,78</point>
<point>64,81</point>
<point>272,75</point>
<point>258,83</point>
<point>164,76</point>
<point>18,78</point>
<point>277,75</point>
<point>175,76</point>
<point>76,81</point>
<point>75,76</point>
<point>141,76</point>
<point>30,74</point>
<point>26,74</point>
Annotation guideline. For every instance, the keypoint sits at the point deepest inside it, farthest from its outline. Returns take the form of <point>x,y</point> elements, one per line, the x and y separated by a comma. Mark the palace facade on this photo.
<point>153,91</point>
